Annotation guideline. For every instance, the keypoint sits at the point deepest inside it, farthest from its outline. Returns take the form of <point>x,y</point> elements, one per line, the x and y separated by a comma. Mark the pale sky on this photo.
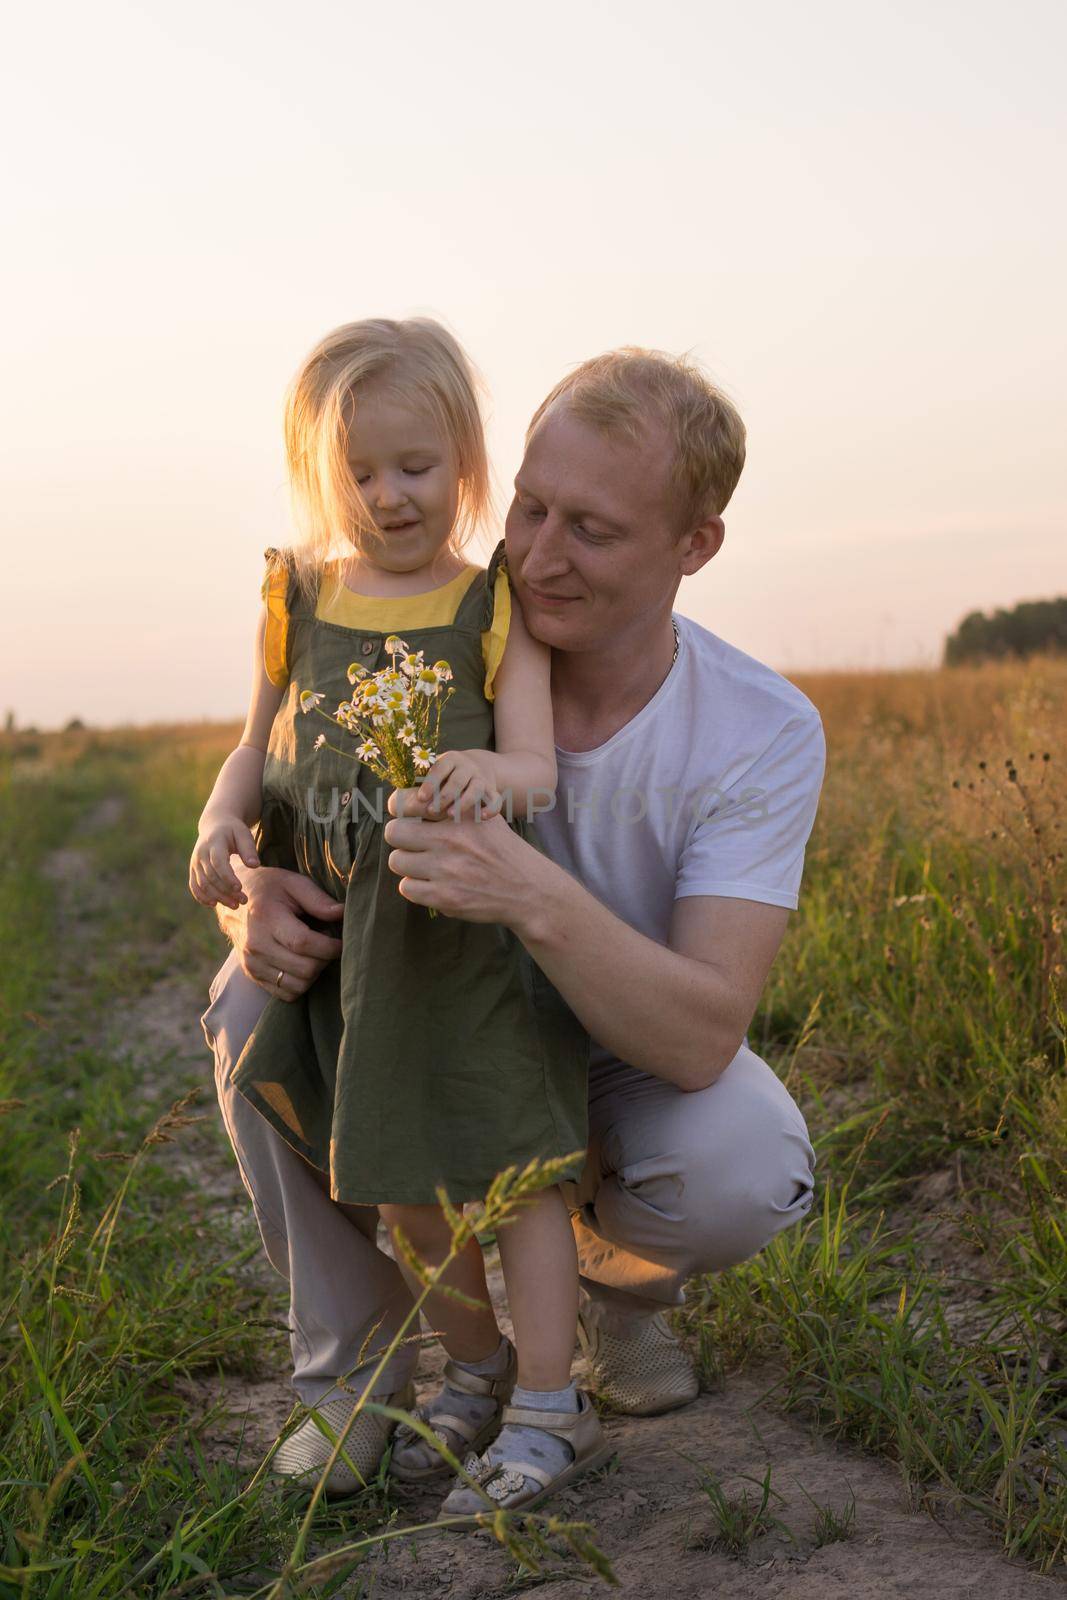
<point>848,212</point>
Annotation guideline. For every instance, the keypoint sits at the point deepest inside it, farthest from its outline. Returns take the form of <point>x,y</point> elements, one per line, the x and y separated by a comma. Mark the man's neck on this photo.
<point>596,693</point>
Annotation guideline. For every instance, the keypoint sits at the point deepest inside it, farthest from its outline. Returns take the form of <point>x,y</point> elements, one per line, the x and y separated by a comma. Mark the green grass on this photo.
<point>738,1520</point>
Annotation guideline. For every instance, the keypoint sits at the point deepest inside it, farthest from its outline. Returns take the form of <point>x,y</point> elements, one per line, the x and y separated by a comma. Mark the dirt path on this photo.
<point>648,1513</point>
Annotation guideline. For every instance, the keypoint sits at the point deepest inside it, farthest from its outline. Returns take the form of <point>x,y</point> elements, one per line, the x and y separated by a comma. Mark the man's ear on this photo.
<point>696,548</point>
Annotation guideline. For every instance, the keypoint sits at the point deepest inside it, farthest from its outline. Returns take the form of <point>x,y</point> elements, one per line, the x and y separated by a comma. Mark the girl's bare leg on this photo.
<point>539,1258</point>
<point>466,1334</point>
<point>540,1263</point>
<point>470,1336</point>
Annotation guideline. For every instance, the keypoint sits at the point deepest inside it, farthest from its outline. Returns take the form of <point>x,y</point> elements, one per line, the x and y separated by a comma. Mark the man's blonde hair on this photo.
<point>620,392</point>
<point>419,362</point>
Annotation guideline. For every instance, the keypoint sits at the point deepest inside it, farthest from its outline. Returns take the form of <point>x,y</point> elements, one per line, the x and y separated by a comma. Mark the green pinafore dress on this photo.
<point>433,1051</point>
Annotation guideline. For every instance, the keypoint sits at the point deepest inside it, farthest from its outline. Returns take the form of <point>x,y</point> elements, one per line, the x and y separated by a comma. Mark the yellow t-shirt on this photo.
<point>380,613</point>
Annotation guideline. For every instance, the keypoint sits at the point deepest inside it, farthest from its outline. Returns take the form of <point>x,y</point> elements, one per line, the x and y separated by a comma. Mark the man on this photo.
<point>689,776</point>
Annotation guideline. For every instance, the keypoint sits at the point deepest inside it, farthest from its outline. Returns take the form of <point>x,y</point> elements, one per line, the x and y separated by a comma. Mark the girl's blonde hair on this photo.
<point>619,392</point>
<point>417,360</point>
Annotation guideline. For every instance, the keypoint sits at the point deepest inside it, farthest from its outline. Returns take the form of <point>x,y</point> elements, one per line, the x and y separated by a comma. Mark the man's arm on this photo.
<point>682,1011</point>
<point>679,1011</point>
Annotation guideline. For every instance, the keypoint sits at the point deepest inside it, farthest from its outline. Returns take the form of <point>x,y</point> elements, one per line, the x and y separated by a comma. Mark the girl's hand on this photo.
<point>211,878</point>
<point>457,786</point>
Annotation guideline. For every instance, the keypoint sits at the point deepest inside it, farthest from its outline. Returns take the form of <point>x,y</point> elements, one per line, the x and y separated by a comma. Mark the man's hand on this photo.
<point>480,871</point>
<point>275,947</point>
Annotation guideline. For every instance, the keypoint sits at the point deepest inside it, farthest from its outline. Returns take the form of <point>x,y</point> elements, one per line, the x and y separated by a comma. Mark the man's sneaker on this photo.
<point>638,1365</point>
<point>307,1450</point>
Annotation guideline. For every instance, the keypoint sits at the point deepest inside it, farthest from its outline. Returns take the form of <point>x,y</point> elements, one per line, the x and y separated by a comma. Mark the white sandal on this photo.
<point>502,1481</point>
<point>473,1438</point>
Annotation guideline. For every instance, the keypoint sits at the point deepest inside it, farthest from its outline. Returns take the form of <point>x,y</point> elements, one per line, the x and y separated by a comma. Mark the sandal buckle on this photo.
<point>477,1467</point>
<point>497,1481</point>
<point>508,1482</point>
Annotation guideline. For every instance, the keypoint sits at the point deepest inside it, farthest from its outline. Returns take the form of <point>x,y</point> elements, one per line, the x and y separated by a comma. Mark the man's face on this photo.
<point>590,543</point>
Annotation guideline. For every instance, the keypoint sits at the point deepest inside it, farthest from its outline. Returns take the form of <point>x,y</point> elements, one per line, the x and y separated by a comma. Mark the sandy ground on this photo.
<point>647,1511</point>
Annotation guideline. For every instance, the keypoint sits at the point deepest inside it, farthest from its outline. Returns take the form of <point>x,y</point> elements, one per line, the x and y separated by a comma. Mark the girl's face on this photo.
<point>406,474</point>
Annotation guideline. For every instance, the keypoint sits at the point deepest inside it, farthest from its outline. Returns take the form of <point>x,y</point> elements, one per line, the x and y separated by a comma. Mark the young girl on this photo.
<point>434,1051</point>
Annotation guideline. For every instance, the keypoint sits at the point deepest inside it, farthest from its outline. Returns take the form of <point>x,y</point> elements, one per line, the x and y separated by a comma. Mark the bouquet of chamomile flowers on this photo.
<point>395,714</point>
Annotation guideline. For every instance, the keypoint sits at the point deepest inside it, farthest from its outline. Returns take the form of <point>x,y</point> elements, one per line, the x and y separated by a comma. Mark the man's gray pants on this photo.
<point>676,1183</point>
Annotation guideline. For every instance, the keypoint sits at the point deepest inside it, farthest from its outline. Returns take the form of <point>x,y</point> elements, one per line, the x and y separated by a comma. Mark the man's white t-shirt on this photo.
<point>711,788</point>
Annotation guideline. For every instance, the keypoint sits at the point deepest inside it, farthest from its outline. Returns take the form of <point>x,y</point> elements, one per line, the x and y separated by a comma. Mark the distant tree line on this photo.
<point>1029,627</point>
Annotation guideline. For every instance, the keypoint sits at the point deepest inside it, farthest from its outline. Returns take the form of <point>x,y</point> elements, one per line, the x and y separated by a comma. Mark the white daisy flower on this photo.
<point>368,750</point>
<point>406,733</point>
<point>412,664</point>
<point>395,646</point>
<point>309,698</point>
<point>443,671</point>
<point>422,758</point>
<point>426,682</point>
<point>355,672</point>
<point>319,742</point>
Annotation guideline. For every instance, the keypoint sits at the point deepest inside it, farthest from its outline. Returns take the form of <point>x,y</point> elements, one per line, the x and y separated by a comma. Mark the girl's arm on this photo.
<point>236,799</point>
<point>519,776</point>
<point>524,761</point>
